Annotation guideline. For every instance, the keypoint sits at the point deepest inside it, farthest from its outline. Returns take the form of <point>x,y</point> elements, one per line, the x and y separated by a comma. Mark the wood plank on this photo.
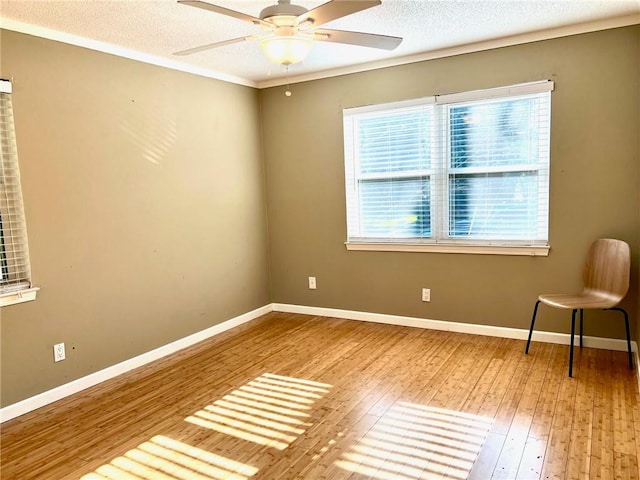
<point>518,433</point>
<point>578,463</point>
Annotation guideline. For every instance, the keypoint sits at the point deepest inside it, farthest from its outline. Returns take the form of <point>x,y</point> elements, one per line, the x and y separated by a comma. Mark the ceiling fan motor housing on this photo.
<point>283,13</point>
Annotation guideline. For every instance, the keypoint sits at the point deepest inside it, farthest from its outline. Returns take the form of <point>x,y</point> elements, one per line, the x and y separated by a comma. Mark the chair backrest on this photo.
<point>607,269</point>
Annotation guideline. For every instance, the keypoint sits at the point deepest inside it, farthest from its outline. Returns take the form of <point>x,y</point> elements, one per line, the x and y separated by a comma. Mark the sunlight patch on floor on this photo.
<point>412,442</point>
<point>163,458</point>
<point>269,410</point>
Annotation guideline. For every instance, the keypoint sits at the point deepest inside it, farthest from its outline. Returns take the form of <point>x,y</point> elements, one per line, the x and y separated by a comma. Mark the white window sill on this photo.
<point>526,250</point>
<point>19,296</point>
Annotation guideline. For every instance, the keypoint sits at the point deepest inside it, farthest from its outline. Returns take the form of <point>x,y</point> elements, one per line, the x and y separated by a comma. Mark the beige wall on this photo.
<point>146,208</point>
<point>144,199</point>
<point>595,162</point>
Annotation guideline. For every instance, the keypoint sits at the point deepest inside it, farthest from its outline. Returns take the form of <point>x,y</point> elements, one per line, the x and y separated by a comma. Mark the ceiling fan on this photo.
<point>291,30</point>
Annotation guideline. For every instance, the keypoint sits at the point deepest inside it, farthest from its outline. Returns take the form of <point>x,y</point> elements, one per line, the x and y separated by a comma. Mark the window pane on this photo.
<point>495,133</point>
<point>394,142</point>
<point>395,208</point>
<point>503,205</point>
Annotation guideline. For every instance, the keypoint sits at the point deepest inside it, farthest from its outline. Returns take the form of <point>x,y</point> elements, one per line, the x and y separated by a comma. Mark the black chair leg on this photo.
<point>533,321</point>
<point>581,322</point>
<point>573,331</point>
<point>626,326</point>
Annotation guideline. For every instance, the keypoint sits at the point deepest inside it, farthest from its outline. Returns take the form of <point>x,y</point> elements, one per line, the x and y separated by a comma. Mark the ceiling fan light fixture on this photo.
<point>285,49</point>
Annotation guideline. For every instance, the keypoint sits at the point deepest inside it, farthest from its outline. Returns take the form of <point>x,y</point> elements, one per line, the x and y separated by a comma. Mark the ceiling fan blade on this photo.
<point>224,11</point>
<point>335,9</point>
<point>372,40</point>
<point>208,46</point>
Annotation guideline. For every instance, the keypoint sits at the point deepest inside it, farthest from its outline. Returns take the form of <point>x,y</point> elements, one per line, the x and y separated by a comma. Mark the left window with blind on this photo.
<point>15,271</point>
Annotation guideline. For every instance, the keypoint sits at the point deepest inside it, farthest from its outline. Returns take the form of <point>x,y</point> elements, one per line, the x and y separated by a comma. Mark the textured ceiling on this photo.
<point>152,30</point>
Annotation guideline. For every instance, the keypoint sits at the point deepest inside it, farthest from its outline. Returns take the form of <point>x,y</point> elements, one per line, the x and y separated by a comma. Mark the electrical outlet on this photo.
<point>58,352</point>
<point>426,294</point>
<point>312,283</point>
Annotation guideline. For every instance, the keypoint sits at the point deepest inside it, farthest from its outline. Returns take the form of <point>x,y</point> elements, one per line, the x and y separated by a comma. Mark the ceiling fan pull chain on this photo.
<point>287,92</point>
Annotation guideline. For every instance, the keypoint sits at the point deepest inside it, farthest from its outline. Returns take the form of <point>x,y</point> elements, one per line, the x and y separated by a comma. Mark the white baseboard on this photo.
<point>50,396</point>
<point>472,328</point>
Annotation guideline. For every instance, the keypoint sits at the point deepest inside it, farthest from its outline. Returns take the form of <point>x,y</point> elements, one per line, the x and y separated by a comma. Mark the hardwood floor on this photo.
<point>293,396</point>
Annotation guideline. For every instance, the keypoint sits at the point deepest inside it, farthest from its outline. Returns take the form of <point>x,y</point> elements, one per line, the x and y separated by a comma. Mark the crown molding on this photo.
<point>536,36</point>
<point>104,47</point>
<point>576,29</point>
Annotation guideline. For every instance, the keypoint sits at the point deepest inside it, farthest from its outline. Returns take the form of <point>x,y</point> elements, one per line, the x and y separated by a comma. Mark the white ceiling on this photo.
<point>151,30</point>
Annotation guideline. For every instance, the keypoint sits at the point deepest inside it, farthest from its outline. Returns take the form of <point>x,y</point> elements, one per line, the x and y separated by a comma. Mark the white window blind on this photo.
<point>469,168</point>
<point>15,275</point>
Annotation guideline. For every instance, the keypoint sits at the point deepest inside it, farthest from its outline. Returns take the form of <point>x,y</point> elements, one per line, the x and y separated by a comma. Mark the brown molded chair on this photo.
<point>606,281</point>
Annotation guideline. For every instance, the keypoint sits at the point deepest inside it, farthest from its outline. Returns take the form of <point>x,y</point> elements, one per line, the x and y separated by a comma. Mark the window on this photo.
<point>451,173</point>
<point>15,275</point>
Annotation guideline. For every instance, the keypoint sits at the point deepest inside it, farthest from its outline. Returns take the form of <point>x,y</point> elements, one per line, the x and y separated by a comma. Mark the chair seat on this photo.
<point>579,300</point>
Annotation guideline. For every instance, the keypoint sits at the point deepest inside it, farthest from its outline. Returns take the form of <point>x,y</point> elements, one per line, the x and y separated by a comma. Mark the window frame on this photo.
<point>440,172</point>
